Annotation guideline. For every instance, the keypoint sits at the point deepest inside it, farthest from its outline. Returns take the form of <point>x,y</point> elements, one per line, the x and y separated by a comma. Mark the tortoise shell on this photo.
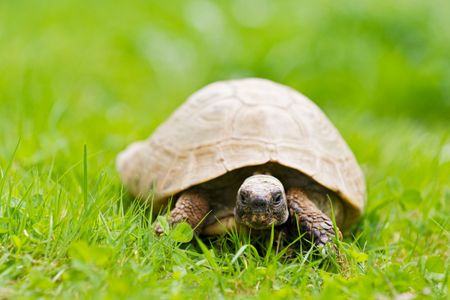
<point>237,124</point>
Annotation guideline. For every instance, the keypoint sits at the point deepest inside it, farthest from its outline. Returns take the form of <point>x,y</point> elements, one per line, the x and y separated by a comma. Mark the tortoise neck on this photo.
<point>262,171</point>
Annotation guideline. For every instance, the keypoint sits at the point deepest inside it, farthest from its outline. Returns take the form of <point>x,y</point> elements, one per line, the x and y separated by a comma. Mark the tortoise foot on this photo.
<point>192,207</point>
<point>313,223</point>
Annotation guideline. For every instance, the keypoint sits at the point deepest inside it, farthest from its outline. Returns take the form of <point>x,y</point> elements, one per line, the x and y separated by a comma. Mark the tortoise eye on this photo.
<point>242,198</point>
<point>277,199</point>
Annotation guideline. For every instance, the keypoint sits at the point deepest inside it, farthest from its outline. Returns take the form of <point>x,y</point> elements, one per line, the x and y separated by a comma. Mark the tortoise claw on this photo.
<point>158,230</point>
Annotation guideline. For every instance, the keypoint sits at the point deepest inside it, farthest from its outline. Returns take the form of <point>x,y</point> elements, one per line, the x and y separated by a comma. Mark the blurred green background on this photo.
<point>127,65</point>
<point>105,73</point>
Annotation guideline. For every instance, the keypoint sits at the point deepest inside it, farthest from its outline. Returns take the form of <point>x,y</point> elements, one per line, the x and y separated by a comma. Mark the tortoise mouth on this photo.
<point>257,220</point>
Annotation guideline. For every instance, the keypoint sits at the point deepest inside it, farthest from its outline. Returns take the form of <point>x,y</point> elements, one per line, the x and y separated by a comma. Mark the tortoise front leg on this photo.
<point>316,225</point>
<point>192,206</point>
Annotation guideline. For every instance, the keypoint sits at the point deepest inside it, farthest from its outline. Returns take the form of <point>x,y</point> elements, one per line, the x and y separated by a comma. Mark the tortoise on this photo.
<point>248,153</point>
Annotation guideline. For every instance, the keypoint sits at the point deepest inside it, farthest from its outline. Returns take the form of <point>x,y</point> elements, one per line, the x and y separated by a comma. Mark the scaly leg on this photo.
<point>192,206</point>
<point>316,225</point>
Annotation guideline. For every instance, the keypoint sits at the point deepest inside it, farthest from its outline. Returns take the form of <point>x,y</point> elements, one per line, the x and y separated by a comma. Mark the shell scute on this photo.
<point>235,124</point>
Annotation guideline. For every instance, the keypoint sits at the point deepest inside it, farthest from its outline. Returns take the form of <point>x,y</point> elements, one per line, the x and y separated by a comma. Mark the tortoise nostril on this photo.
<point>259,203</point>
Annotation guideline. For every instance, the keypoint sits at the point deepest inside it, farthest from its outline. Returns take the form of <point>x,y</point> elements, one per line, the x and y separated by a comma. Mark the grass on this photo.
<point>104,74</point>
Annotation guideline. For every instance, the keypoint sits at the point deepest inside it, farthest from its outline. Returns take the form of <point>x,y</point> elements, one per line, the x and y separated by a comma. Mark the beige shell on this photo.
<point>239,123</point>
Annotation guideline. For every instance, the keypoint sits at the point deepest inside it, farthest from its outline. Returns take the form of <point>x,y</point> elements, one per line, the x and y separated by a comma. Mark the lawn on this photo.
<point>80,81</point>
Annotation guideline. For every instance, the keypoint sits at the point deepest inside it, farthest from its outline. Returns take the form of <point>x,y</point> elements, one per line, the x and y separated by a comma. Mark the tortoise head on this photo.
<point>261,202</point>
